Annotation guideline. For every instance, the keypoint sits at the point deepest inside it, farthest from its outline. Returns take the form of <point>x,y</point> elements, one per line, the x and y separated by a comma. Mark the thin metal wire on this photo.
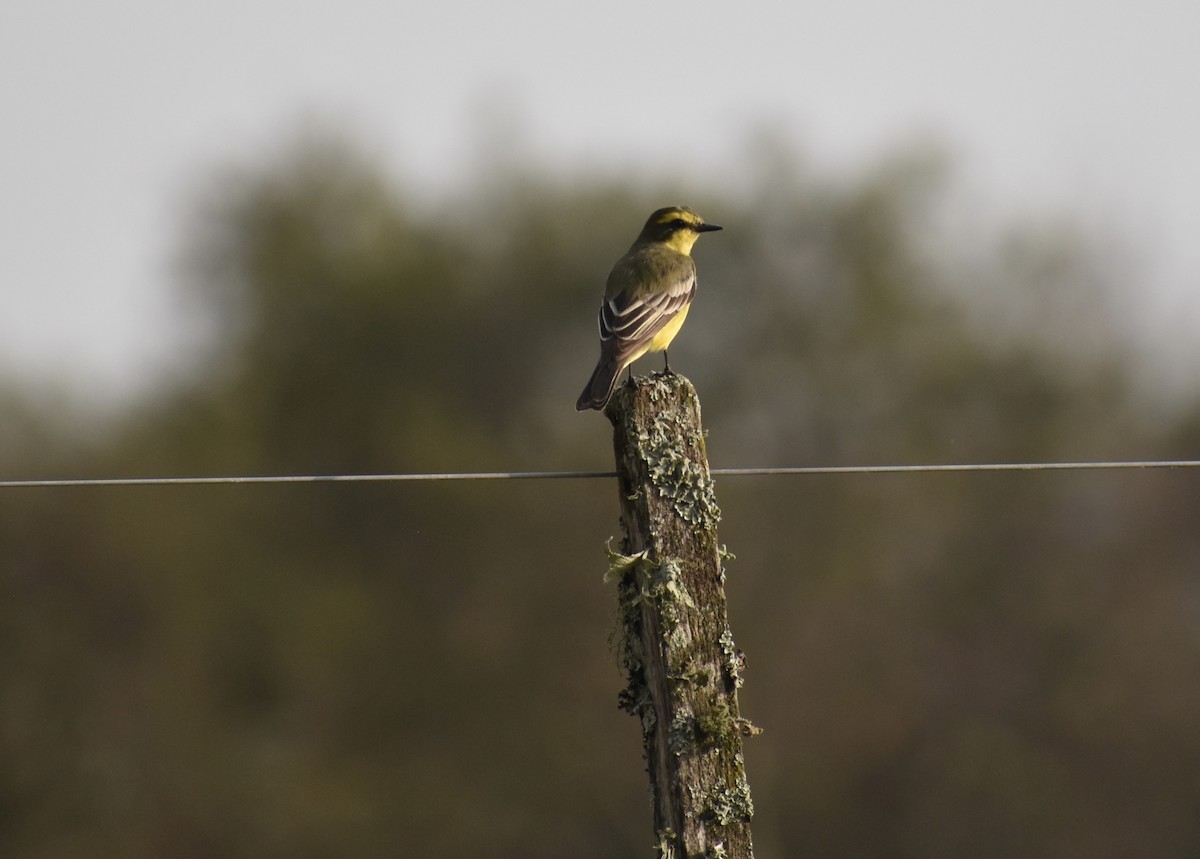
<point>983,466</point>
<point>304,478</point>
<point>579,475</point>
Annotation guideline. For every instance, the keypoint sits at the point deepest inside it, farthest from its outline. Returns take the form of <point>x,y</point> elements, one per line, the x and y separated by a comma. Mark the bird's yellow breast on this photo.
<point>663,338</point>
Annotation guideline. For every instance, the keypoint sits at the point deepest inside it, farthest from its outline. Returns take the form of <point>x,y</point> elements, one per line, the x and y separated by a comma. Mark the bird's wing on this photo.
<point>632,316</point>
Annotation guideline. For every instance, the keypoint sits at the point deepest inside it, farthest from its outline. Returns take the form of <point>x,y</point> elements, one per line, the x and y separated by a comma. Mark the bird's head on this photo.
<point>675,226</point>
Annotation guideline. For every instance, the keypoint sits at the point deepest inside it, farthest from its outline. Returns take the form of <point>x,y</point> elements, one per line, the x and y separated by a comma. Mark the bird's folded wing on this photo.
<point>634,319</point>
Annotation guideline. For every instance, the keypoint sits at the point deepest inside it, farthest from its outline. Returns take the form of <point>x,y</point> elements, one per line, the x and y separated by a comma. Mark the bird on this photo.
<point>646,298</point>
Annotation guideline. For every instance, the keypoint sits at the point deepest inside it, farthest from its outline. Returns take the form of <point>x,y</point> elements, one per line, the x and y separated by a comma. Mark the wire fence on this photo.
<point>587,475</point>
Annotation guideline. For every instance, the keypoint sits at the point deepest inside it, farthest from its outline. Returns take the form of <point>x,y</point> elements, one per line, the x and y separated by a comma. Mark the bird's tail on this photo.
<point>600,387</point>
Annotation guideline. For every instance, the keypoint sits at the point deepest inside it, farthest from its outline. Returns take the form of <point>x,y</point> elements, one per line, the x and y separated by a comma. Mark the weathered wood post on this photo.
<point>675,645</point>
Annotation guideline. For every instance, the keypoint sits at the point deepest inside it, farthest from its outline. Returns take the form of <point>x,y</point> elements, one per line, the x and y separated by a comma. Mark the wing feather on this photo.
<point>633,320</point>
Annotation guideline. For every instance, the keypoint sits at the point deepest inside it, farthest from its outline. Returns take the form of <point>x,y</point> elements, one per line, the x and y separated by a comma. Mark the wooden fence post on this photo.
<point>674,643</point>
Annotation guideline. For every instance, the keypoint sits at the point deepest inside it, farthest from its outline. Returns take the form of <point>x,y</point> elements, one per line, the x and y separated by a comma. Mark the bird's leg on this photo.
<point>629,378</point>
<point>666,365</point>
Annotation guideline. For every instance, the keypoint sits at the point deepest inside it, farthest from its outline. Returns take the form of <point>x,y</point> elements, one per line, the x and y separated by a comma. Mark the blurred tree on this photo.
<point>945,665</point>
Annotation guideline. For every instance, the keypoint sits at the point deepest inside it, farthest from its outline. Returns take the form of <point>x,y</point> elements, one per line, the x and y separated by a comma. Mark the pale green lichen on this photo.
<point>660,584</point>
<point>665,582</point>
<point>624,640</point>
<point>664,587</point>
<point>728,805</point>
<point>620,565</point>
<point>681,479</point>
<point>735,661</point>
<point>723,555</point>
<point>677,477</point>
<point>665,848</point>
<point>681,735</point>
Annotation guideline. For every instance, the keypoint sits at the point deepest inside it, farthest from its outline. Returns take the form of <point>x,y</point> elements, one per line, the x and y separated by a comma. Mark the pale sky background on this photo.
<point>113,112</point>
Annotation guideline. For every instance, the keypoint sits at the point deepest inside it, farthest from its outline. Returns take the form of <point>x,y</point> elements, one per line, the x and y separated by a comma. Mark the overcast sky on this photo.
<point>112,110</point>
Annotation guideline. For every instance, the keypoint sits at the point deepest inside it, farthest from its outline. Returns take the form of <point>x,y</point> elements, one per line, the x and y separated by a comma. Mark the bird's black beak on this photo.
<point>708,228</point>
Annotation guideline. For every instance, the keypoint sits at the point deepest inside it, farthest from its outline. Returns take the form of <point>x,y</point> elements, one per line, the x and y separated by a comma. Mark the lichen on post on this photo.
<point>674,641</point>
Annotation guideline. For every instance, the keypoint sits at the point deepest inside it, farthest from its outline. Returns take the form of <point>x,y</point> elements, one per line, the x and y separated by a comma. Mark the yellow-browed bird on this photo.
<point>646,298</point>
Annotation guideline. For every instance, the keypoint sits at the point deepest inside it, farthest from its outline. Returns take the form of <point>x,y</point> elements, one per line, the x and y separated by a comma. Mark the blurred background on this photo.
<point>290,239</point>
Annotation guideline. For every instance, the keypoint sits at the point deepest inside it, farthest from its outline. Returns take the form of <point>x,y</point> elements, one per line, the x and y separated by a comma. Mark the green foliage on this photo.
<point>987,665</point>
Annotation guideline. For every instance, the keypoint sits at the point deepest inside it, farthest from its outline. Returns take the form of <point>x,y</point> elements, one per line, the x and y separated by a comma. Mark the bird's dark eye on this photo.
<point>678,224</point>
